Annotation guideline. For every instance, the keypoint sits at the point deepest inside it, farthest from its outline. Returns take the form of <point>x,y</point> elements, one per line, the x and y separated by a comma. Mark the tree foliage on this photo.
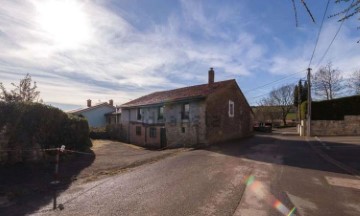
<point>25,91</point>
<point>300,93</point>
<point>328,82</point>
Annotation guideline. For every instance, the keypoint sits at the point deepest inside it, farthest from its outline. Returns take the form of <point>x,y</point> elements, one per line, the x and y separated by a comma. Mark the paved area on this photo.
<point>344,149</point>
<point>284,172</point>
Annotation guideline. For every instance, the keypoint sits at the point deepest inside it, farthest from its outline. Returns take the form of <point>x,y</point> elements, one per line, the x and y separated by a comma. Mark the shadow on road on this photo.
<point>26,187</point>
<point>290,150</point>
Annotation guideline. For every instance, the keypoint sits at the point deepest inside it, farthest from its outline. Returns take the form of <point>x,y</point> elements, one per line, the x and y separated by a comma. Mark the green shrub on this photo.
<point>303,110</point>
<point>99,133</point>
<point>29,125</point>
<point>334,109</point>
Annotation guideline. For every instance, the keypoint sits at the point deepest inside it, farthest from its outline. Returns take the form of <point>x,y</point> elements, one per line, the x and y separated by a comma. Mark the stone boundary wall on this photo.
<point>350,126</point>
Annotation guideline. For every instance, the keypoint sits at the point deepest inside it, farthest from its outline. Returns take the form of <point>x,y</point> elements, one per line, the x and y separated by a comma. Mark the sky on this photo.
<point>123,49</point>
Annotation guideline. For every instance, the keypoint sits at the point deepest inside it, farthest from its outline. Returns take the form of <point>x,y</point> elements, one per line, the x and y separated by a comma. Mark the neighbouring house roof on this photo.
<point>116,112</point>
<point>81,110</point>
<point>191,92</point>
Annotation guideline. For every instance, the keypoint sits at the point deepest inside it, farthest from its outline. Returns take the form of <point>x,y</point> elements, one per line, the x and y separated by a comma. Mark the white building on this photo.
<point>98,115</point>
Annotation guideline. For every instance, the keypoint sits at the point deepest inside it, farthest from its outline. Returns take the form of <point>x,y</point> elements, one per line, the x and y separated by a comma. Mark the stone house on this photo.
<point>99,115</point>
<point>200,114</point>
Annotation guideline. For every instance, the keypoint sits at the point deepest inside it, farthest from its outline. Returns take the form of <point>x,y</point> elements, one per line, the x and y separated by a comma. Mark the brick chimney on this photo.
<point>211,76</point>
<point>88,103</point>
<point>111,102</point>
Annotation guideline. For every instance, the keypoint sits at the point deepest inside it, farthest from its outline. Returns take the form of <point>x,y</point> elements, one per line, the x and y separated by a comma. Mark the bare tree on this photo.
<point>283,98</point>
<point>352,8</point>
<point>23,92</point>
<point>328,82</point>
<point>354,82</point>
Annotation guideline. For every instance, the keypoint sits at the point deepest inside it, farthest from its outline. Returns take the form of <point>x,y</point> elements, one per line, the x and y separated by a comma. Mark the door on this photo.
<point>162,138</point>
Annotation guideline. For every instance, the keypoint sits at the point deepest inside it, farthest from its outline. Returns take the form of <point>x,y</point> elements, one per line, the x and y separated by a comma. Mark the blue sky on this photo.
<point>121,50</point>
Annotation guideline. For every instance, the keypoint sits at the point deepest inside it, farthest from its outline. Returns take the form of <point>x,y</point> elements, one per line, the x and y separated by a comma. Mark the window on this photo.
<point>139,111</point>
<point>152,132</point>
<point>231,108</point>
<point>138,130</point>
<point>185,110</point>
<point>182,130</point>
<point>161,113</point>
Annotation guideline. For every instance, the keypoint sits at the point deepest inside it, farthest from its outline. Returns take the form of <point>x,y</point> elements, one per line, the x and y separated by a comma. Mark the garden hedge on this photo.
<point>334,109</point>
<point>33,124</point>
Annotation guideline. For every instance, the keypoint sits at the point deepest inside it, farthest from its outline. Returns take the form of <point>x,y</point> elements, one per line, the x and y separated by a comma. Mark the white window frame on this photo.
<point>231,111</point>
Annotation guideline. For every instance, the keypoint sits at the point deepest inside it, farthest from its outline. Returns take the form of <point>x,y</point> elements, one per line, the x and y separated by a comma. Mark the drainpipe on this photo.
<point>129,127</point>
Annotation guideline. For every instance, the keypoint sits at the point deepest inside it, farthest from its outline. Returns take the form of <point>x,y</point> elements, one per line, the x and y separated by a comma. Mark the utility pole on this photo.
<point>299,100</point>
<point>309,104</point>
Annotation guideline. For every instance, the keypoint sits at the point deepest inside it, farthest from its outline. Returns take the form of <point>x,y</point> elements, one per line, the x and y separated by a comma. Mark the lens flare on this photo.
<point>258,188</point>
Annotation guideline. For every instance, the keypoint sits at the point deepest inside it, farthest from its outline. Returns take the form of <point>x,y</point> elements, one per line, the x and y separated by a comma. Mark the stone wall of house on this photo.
<point>185,132</point>
<point>220,125</point>
<point>350,126</point>
<point>144,139</point>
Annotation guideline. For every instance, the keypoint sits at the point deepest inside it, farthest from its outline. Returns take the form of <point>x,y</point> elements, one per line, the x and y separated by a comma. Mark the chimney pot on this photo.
<point>111,102</point>
<point>211,76</point>
<point>88,103</point>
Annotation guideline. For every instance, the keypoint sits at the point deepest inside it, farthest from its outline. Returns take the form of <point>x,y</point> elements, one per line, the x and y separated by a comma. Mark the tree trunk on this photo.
<point>284,120</point>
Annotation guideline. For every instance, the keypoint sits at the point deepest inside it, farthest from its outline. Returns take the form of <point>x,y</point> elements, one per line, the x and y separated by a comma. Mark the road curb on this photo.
<point>331,160</point>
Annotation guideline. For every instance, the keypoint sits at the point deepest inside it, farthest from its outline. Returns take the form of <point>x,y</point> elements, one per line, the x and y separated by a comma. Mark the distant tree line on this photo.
<point>328,83</point>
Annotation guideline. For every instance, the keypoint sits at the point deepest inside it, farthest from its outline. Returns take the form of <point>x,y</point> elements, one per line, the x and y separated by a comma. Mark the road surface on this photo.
<point>285,173</point>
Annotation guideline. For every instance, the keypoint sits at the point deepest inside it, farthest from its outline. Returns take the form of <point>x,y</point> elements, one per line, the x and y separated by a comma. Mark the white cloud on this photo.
<point>109,57</point>
<point>106,57</point>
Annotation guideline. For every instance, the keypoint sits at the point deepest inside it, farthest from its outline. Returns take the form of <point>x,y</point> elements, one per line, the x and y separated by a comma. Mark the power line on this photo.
<point>337,32</point>
<point>275,81</point>
<point>318,36</point>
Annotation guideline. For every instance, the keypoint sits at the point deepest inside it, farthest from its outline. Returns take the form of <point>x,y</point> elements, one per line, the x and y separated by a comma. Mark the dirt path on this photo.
<point>112,157</point>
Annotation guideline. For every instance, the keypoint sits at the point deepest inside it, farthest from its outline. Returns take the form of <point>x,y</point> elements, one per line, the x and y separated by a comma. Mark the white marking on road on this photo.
<point>316,181</point>
<point>333,161</point>
<point>322,143</point>
<point>343,182</point>
<point>302,205</point>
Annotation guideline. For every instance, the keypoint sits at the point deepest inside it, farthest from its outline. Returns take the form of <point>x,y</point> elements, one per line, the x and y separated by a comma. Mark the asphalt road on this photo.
<point>213,182</point>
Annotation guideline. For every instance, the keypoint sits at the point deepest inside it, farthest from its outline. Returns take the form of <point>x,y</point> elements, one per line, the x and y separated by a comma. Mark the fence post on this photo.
<point>56,174</point>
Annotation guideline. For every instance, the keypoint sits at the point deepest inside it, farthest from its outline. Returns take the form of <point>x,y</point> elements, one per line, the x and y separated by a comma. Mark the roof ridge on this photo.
<point>200,90</point>
<point>88,108</point>
<point>185,87</point>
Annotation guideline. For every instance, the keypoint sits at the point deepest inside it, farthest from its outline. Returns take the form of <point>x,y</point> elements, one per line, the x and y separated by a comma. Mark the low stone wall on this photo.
<point>350,126</point>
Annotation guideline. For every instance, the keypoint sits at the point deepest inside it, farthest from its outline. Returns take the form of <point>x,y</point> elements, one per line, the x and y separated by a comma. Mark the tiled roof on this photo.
<point>90,108</point>
<point>197,91</point>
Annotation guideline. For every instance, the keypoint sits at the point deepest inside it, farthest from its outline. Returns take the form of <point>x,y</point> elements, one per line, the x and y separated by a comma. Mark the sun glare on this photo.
<point>65,23</point>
